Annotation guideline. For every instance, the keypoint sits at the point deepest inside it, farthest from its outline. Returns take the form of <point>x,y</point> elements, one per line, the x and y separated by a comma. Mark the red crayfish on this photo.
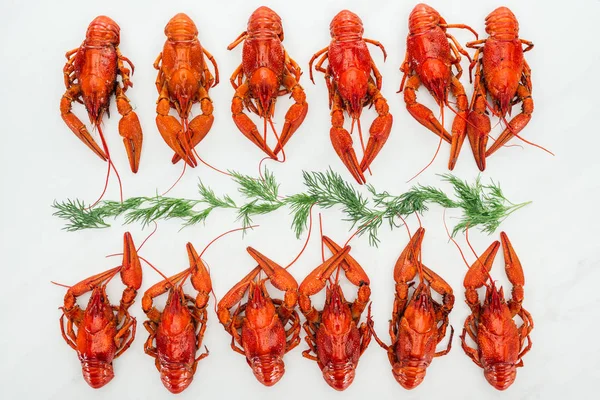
<point>258,327</point>
<point>430,55</point>
<point>502,72</point>
<point>258,81</point>
<point>500,343</point>
<point>102,332</point>
<point>179,329</point>
<point>351,87</point>
<point>418,323</point>
<point>334,337</point>
<point>91,79</point>
<point>183,80</point>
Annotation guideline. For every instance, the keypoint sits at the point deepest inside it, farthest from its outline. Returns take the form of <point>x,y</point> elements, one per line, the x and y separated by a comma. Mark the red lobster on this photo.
<point>179,329</point>
<point>183,80</point>
<point>502,72</point>
<point>351,87</point>
<point>333,334</point>
<point>91,79</point>
<point>258,81</point>
<point>102,332</point>
<point>418,323</point>
<point>431,53</point>
<point>499,342</point>
<point>258,327</point>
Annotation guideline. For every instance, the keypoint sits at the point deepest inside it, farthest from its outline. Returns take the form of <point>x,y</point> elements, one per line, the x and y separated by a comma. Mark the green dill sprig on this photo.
<point>482,205</point>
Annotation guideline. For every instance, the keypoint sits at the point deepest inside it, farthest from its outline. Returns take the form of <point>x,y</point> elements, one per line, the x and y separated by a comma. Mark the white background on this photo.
<point>41,160</point>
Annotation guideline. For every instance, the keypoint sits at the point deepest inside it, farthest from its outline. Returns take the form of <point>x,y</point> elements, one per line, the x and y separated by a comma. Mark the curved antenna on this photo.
<point>226,233</point>
<point>438,147</point>
<point>307,238</point>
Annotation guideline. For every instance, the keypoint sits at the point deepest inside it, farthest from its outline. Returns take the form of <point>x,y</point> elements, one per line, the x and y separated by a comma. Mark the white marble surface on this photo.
<point>556,237</point>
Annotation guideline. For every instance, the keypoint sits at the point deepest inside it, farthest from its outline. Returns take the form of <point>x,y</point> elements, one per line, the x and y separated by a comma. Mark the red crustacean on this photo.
<point>184,80</point>
<point>91,79</point>
<point>102,332</point>
<point>431,52</point>
<point>500,343</point>
<point>266,72</point>
<point>334,337</point>
<point>503,73</point>
<point>258,327</point>
<point>176,333</point>
<point>418,322</point>
<point>351,87</point>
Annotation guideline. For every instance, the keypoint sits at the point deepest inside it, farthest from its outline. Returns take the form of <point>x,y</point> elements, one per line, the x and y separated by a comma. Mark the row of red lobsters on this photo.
<point>264,328</point>
<point>267,72</point>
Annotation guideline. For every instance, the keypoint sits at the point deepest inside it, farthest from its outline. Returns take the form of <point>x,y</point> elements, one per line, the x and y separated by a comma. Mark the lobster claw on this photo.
<point>200,276</point>
<point>478,128</point>
<point>406,266</point>
<point>131,272</point>
<point>131,131</point>
<point>342,144</point>
<point>316,280</point>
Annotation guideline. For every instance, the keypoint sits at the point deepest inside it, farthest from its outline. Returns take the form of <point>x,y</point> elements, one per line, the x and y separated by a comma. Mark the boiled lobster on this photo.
<point>102,332</point>
<point>351,87</point>
<point>418,322</point>
<point>266,72</point>
<point>335,339</point>
<point>176,333</point>
<point>502,72</point>
<point>500,343</point>
<point>91,79</point>
<point>431,52</point>
<point>184,80</point>
<point>258,327</point>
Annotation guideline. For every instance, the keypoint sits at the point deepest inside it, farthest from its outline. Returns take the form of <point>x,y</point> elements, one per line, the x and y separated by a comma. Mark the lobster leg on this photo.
<point>296,113</point>
<point>149,347</point>
<point>471,352</point>
<point>208,77</point>
<point>478,127</point>
<point>170,128</point>
<point>129,129</point>
<point>71,339</point>
<point>517,124</point>
<point>447,349</point>
<point>200,125</point>
<point>233,297</point>
<point>478,274</point>
<point>421,113</point>
<point>356,275</point>
<point>342,142</point>
<point>75,124</point>
<point>366,332</point>
<point>319,64</point>
<point>244,123</point>
<point>459,126</point>
<point>315,282</point>
<point>126,335</point>
<point>279,277</point>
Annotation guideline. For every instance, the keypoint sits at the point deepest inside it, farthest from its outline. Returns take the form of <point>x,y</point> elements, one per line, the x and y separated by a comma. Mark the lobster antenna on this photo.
<point>458,247</point>
<point>178,179</point>
<point>321,231</point>
<point>510,128</point>
<point>149,236</point>
<point>60,284</point>
<point>438,147</point>
<point>209,165</point>
<point>226,233</point>
<point>307,237</point>
<point>362,143</point>
<point>110,164</point>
